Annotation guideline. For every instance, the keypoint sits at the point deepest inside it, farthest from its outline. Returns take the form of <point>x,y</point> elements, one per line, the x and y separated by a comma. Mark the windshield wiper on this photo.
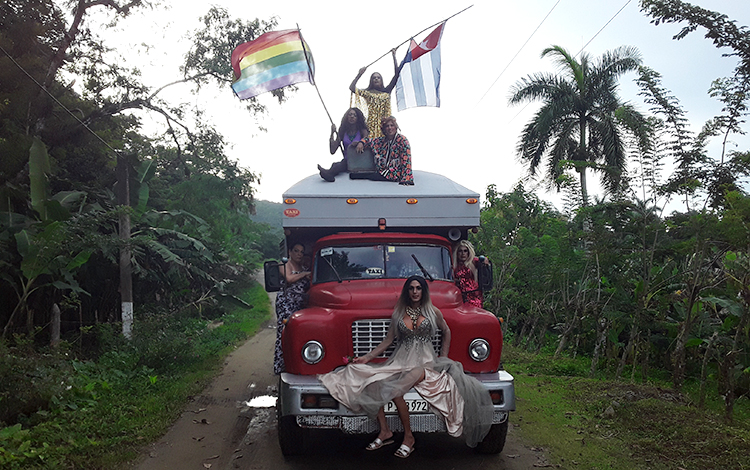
<point>424,271</point>
<point>333,269</point>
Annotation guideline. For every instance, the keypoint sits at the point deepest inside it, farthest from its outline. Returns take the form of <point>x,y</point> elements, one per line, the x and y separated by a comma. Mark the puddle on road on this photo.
<point>263,401</point>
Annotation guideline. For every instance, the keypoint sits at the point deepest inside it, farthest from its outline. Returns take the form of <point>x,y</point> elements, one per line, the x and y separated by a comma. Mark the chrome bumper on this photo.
<point>292,387</point>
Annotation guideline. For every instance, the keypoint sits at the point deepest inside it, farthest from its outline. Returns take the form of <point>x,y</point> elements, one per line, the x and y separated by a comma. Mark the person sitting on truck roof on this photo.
<point>461,400</point>
<point>392,154</point>
<point>376,97</point>
<point>352,131</point>
<point>295,282</point>
<point>465,273</point>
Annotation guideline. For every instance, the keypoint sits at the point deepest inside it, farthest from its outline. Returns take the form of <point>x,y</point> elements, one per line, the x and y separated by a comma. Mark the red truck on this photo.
<point>366,238</point>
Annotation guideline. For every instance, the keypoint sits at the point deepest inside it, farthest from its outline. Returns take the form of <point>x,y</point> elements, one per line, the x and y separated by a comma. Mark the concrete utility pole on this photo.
<point>126,269</point>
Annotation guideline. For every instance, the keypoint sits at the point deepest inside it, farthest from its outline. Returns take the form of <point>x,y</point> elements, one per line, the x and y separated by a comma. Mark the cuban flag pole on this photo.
<point>419,81</point>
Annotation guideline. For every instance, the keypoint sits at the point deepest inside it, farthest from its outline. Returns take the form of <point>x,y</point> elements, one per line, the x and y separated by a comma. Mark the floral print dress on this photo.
<point>290,298</point>
<point>469,286</point>
<point>393,158</point>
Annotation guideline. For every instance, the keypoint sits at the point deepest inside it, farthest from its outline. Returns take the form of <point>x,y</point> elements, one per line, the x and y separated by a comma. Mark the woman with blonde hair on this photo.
<point>465,273</point>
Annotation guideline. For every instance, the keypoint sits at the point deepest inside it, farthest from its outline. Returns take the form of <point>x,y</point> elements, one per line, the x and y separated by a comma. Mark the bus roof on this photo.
<point>434,201</point>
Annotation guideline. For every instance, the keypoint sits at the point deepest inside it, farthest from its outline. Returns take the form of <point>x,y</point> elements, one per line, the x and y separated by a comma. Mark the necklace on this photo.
<point>414,314</point>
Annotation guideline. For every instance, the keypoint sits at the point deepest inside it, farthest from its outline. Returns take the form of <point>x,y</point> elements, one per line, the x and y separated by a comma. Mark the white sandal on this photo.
<point>404,451</point>
<point>377,444</point>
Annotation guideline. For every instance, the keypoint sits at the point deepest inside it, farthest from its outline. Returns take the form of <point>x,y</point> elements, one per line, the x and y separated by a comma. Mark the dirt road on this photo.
<point>219,430</point>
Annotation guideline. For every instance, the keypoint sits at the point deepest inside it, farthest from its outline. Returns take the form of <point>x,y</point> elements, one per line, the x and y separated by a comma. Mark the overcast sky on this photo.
<point>472,136</point>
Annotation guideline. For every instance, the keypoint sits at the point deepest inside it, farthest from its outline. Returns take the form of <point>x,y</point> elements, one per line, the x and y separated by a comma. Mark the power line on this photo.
<point>20,67</point>
<point>579,52</point>
<point>602,28</point>
<point>519,51</point>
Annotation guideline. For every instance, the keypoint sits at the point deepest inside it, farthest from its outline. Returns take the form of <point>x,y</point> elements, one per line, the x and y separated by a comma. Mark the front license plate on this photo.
<point>415,406</point>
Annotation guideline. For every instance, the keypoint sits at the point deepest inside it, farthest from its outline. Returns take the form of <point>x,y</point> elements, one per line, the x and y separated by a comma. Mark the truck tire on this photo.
<point>291,436</point>
<point>494,441</point>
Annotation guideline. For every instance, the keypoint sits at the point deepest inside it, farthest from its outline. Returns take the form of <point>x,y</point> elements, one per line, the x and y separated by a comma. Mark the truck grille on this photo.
<point>366,334</point>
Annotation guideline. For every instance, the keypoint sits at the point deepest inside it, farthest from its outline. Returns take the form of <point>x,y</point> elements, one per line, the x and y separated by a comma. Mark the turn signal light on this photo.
<point>352,200</point>
<point>472,200</point>
<point>497,397</point>
<point>381,223</point>
<point>412,200</point>
<point>289,200</point>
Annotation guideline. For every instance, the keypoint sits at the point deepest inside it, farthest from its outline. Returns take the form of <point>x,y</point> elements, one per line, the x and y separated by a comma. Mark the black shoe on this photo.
<point>326,175</point>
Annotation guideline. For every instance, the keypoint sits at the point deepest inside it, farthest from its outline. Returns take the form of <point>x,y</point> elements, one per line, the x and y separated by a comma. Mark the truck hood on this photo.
<point>377,294</point>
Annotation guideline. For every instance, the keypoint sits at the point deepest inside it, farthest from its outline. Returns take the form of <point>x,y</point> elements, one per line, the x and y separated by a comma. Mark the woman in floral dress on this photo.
<point>392,154</point>
<point>295,282</point>
<point>465,266</point>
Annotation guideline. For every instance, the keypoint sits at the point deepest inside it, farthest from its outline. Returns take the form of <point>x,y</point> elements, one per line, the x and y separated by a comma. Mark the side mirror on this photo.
<point>272,276</point>
<point>484,273</point>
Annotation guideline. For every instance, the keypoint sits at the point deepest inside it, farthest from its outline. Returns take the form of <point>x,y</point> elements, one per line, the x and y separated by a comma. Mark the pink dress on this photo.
<point>469,286</point>
<point>461,400</point>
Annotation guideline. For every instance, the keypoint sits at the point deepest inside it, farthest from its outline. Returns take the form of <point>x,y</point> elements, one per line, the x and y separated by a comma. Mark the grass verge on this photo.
<point>108,409</point>
<point>603,424</point>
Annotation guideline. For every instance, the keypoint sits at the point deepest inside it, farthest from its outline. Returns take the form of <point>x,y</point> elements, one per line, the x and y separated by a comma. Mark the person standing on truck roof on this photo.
<point>392,154</point>
<point>376,96</point>
<point>461,400</point>
<point>295,282</point>
<point>465,273</point>
<point>352,131</point>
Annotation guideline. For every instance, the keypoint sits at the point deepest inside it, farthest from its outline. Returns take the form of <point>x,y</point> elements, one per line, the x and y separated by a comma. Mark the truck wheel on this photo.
<point>291,436</point>
<point>494,441</point>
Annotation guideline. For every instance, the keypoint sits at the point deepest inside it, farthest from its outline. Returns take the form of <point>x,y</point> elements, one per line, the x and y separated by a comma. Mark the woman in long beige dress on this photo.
<point>461,400</point>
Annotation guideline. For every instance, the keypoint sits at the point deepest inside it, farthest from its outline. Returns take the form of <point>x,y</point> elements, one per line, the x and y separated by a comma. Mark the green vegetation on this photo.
<point>628,329</point>
<point>137,388</point>
<point>601,423</point>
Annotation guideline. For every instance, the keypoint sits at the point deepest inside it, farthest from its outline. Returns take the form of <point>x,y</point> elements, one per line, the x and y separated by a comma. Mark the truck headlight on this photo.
<point>479,349</point>
<point>312,352</point>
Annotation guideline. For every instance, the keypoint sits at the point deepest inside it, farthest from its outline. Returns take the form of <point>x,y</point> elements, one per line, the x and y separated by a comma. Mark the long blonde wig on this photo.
<point>469,261</point>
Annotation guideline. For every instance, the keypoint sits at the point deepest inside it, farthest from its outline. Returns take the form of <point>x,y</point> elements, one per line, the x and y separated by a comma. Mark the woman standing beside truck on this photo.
<point>462,401</point>
<point>295,282</point>
<point>465,273</point>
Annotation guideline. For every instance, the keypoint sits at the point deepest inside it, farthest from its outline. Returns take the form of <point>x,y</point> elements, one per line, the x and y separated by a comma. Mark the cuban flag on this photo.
<point>419,81</point>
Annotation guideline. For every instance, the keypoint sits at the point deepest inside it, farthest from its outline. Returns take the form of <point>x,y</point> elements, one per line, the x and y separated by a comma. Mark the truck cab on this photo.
<point>366,238</point>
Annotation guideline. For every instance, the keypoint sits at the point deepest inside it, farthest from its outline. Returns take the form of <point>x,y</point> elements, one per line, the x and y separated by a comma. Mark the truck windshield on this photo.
<point>381,261</point>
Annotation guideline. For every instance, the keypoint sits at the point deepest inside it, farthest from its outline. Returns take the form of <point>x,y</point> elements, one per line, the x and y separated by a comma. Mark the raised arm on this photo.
<point>334,142</point>
<point>353,86</point>
<point>292,278</point>
<point>396,71</point>
<point>443,325</point>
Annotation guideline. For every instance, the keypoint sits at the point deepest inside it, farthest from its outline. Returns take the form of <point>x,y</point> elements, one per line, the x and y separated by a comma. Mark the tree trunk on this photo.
<point>55,327</point>
<point>646,356</point>
<point>704,372</point>
<point>727,381</point>
<point>566,335</point>
<point>601,338</point>
<point>126,274</point>
<point>584,190</point>
<point>678,358</point>
<point>541,335</point>
<point>627,351</point>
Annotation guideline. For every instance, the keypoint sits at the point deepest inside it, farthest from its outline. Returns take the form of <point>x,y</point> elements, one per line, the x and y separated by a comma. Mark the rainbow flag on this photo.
<point>274,60</point>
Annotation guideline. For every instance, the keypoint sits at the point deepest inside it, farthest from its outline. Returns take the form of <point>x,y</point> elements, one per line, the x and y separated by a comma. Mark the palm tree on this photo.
<point>582,120</point>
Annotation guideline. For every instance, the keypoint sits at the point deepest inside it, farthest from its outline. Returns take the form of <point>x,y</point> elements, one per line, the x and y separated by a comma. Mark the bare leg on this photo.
<point>403,414</point>
<point>385,431</point>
